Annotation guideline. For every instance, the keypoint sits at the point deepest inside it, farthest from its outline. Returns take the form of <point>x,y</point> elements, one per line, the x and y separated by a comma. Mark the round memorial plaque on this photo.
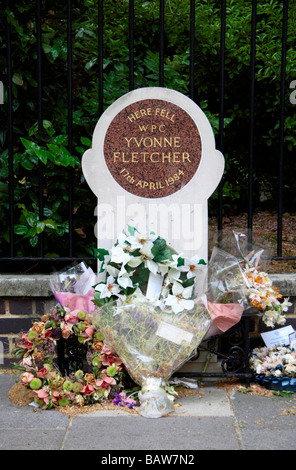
<point>152,148</point>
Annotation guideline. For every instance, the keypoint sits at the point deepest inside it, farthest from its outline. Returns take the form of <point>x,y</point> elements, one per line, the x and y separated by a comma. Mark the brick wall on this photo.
<point>24,299</point>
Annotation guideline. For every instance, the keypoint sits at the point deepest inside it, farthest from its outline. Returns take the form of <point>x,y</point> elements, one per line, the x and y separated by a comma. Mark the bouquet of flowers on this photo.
<point>278,361</point>
<point>225,293</point>
<point>143,265</point>
<point>275,367</point>
<point>73,288</point>
<point>151,314</point>
<point>152,344</point>
<point>262,294</point>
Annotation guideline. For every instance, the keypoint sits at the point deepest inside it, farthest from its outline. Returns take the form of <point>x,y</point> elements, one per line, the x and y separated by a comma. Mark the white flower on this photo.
<point>112,270</point>
<point>124,279</point>
<point>173,275</point>
<point>108,289</point>
<point>180,298</point>
<point>286,304</point>
<point>151,265</point>
<point>118,255</point>
<point>141,240</point>
<point>165,266</point>
<point>135,261</point>
<point>146,248</point>
<point>191,266</point>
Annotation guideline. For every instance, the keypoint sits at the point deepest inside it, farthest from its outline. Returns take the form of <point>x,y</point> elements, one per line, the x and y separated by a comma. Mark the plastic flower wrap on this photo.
<point>152,344</point>
<point>73,288</point>
<point>262,294</point>
<point>225,293</point>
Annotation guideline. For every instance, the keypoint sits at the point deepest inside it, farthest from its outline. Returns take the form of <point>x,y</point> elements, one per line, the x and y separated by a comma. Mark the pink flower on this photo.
<point>89,331</point>
<point>42,373</point>
<point>72,319</point>
<point>25,343</point>
<point>122,400</point>
<point>26,362</point>
<point>105,381</point>
<point>88,389</point>
<point>42,393</point>
<point>108,358</point>
<point>71,316</point>
<point>26,378</point>
<point>46,333</point>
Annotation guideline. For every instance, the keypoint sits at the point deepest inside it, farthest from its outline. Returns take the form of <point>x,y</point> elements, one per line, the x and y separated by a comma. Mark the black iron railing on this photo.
<point>11,256</point>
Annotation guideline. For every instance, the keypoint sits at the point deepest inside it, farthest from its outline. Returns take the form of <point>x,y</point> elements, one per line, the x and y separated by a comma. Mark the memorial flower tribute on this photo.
<point>136,322</point>
<point>278,361</point>
<point>150,313</point>
<point>275,367</point>
<point>36,353</point>
<point>262,294</point>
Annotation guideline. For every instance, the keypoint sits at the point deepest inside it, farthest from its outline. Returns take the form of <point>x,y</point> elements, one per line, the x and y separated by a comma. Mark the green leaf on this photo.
<point>100,253</point>
<point>181,262</point>
<point>34,241</point>
<point>43,155</point>
<point>18,367</point>
<point>40,226</point>
<point>188,282</point>
<point>160,251</point>
<point>26,164</point>
<point>86,141</point>
<point>49,223</point>
<point>20,229</point>
<point>17,79</point>
<point>97,300</point>
<point>31,232</point>
<point>131,230</point>
<point>29,144</point>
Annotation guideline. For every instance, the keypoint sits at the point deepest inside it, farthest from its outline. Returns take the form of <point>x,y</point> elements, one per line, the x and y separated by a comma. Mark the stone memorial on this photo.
<point>153,165</point>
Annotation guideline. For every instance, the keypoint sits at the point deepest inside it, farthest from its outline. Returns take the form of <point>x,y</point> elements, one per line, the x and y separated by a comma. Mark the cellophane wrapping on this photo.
<point>73,287</point>
<point>152,345</point>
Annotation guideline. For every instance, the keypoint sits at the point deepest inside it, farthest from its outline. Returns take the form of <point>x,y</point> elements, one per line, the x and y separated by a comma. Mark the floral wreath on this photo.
<point>277,361</point>
<point>135,259</point>
<point>103,381</point>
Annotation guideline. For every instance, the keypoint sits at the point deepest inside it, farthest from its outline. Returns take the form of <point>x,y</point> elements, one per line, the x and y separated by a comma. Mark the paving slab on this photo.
<point>202,421</point>
<point>138,433</point>
<point>265,423</point>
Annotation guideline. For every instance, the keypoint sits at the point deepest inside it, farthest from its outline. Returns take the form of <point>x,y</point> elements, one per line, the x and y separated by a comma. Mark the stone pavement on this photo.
<point>217,420</point>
